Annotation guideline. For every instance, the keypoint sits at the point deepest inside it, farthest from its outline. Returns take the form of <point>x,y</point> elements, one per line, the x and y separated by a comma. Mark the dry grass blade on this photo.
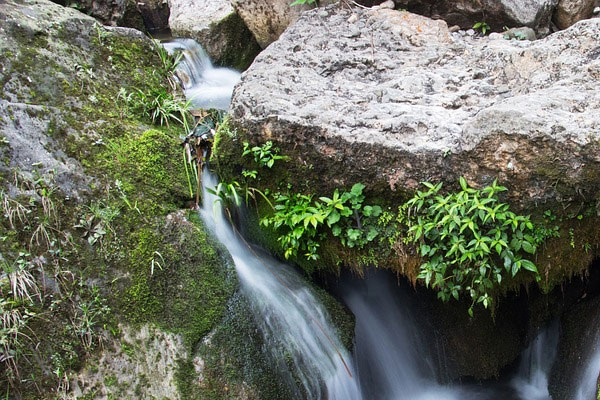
<point>13,210</point>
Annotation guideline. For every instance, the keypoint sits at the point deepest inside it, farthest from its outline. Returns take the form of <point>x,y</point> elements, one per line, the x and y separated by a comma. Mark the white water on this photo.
<point>206,86</point>
<point>390,358</point>
<point>294,323</point>
<point>531,381</point>
<point>586,384</point>
<point>390,354</point>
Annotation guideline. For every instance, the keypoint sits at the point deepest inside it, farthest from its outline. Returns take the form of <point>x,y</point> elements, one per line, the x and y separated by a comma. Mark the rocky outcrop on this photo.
<point>267,19</point>
<point>394,99</point>
<point>570,11</point>
<point>109,12</point>
<point>70,143</point>
<point>497,13</point>
<point>217,27</point>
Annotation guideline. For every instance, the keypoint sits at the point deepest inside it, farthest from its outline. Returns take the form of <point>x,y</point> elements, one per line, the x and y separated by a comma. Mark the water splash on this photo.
<point>391,358</point>
<point>531,381</point>
<point>588,380</point>
<point>294,324</point>
<point>206,86</point>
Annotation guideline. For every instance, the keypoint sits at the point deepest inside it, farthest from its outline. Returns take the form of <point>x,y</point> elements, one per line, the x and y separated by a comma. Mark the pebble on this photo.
<point>470,32</point>
<point>388,4</point>
<point>454,28</point>
<point>597,10</point>
<point>353,18</point>
<point>495,36</point>
<point>354,32</point>
<point>323,14</point>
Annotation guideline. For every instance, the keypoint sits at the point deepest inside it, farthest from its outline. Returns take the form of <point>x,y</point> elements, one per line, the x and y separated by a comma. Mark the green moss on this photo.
<point>189,287</point>
<point>149,168</point>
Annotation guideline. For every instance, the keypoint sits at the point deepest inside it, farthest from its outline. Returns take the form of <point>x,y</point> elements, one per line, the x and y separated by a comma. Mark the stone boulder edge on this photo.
<point>569,12</point>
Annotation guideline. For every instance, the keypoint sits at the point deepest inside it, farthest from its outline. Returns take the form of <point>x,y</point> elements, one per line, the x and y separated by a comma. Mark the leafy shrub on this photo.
<point>469,240</point>
<point>301,221</point>
<point>159,105</point>
<point>300,2</point>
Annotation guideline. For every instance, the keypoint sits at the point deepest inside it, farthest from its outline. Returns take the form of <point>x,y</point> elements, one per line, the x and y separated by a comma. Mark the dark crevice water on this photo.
<point>393,358</point>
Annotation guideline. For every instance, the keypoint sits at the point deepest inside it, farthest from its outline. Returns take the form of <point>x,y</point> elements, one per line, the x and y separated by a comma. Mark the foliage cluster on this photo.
<point>469,240</point>
<point>159,105</point>
<point>302,221</point>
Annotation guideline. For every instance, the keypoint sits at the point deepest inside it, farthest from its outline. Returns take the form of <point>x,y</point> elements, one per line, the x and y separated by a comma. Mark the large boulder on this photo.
<point>497,13</point>
<point>395,99</point>
<point>267,19</point>
<point>217,27</point>
<point>570,11</point>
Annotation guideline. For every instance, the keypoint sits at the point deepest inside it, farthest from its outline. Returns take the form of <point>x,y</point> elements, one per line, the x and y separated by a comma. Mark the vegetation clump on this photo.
<point>469,240</point>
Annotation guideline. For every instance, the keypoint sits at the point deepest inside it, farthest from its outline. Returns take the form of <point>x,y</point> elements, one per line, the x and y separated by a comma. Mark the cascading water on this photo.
<point>293,322</point>
<point>204,85</point>
<point>588,379</point>
<point>391,359</point>
<point>391,362</point>
<point>531,381</point>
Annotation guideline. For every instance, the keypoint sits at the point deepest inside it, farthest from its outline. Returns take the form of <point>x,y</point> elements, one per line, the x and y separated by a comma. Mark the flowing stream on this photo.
<point>205,86</point>
<point>292,320</point>
<point>390,361</point>
<point>588,377</point>
<point>531,381</point>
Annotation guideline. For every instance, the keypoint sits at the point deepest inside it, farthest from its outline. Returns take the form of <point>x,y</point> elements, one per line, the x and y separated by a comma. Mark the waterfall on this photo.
<point>204,85</point>
<point>588,379</point>
<point>391,361</point>
<point>531,381</point>
<point>391,358</point>
<point>294,324</point>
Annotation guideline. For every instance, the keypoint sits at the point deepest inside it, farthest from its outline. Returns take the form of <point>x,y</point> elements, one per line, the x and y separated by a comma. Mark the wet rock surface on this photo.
<point>390,99</point>
<point>217,27</point>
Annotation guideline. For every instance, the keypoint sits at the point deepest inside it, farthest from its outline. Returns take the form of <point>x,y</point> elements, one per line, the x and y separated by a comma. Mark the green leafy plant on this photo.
<point>300,2</point>
<point>298,220</point>
<point>482,26</point>
<point>13,335</point>
<point>169,61</point>
<point>301,221</point>
<point>22,284</point>
<point>265,155</point>
<point>469,240</point>
<point>160,105</point>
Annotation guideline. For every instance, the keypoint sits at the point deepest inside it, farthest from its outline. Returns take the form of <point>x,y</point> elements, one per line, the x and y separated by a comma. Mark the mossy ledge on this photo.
<point>559,259</point>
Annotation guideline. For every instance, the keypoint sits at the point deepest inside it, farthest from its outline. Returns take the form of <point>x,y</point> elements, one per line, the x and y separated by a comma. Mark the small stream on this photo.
<point>389,361</point>
<point>204,85</point>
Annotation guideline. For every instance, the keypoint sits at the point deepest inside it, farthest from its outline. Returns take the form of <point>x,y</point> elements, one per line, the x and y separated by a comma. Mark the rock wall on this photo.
<point>535,14</point>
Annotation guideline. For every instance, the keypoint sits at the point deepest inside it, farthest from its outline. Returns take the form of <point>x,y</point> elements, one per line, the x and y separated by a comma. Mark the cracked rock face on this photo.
<point>391,99</point>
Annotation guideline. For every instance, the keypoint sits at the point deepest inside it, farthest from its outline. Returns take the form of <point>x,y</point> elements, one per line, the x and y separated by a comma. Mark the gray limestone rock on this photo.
<point>405,102</point>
